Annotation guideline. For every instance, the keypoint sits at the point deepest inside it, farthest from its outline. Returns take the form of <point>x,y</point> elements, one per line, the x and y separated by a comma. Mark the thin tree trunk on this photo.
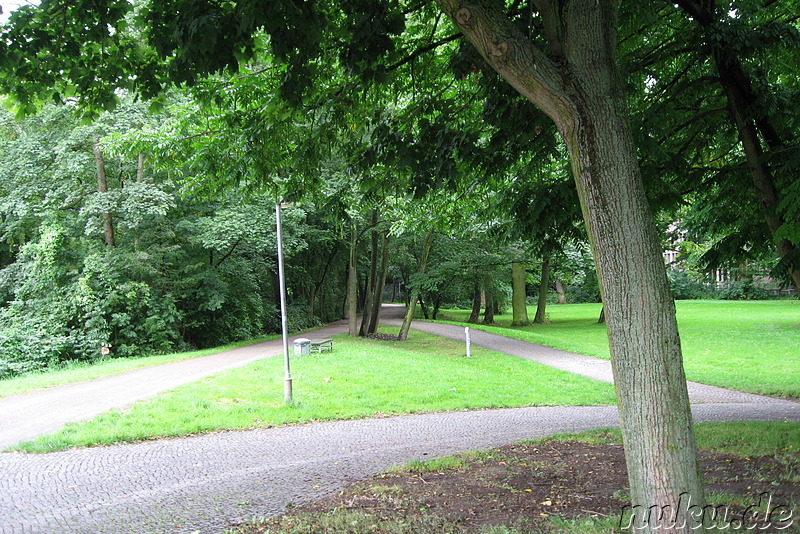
<point>140,168</point>
<point>323,312</point>
<point>139,179</point>
<point>372,280</point>
<point>352,284</point>
<point>345,308</point>
<point>412,307</point>
<point>311,301</point>
<point>424,307</point>
<point>102,187</point>
<point>742,98</point>
<point>377,299</point>
<point>562,295</point>
<point>541,305</point>
<point>318,287</point>
<point>763,182</point>
<point>576,83</point>
<point>519,299</point>
<point>488,310</point>
<point>476,300</point>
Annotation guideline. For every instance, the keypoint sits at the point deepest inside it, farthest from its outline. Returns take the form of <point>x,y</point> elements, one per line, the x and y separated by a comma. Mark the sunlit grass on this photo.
<point>360,378</point>
<point>746,345</point>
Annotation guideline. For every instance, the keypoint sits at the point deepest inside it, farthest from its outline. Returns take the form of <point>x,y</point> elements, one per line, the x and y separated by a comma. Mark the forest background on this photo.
<point>149,227</point>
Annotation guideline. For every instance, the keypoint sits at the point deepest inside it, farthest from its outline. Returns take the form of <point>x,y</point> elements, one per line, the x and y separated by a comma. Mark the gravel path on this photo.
<point>203,484</point>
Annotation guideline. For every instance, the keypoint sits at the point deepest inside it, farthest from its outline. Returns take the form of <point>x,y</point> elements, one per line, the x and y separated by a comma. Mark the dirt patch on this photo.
<point>383,337</point>
<point>550,486</point>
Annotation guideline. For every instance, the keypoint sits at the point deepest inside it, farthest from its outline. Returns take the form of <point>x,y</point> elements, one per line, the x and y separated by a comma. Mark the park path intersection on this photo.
<point>203,484</point>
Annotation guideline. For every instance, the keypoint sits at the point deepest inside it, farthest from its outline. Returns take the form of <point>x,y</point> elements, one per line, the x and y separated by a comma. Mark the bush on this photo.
<point>744,290</point>
<point>684,287</point>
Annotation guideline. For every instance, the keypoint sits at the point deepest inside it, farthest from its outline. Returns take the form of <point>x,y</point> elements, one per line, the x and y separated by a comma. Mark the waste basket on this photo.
<point>302,346</point>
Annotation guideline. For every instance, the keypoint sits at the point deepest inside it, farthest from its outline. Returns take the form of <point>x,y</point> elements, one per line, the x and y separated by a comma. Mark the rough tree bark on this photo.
<point>541,304</point>
<point>576,83</point>
<point>519,299</point>
<point>102,187</point>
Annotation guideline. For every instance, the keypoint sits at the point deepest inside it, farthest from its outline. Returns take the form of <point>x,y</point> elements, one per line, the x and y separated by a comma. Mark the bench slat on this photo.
<point>321,345</point>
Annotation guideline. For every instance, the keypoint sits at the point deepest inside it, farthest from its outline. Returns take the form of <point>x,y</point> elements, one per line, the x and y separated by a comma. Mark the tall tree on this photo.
<point>575,82</point>
<point>757,129</point>
<point>560,55</point>
<point>102,187</point>
<point>715,80</point>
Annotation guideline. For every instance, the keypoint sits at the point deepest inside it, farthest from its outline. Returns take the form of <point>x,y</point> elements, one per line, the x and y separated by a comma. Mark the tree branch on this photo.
<point>418,52</point>
<point>509,52</point>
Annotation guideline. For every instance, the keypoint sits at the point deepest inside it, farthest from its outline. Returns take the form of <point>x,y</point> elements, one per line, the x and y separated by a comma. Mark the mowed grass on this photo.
<point>79,371</point>
<point>360,378</point>
<point>751,346</point>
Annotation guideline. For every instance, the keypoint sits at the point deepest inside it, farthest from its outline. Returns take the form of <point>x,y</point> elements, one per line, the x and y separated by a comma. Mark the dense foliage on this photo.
<point>190,191</point>
<point>182,272</point>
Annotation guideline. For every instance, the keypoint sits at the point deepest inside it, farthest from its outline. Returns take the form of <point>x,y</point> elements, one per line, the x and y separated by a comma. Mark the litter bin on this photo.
<point>302,346</point>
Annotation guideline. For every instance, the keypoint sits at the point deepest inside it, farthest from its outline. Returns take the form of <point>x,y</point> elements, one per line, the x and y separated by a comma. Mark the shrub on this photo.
<point>744,290</point>
<point>685,287</point>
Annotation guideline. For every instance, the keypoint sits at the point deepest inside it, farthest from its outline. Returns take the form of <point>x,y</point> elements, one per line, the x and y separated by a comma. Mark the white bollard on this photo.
<point>466,333</point>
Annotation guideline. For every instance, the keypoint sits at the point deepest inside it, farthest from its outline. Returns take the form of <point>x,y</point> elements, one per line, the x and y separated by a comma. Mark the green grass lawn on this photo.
<point>360,378</point>
<point>80,371</point>
<point>746,345</point>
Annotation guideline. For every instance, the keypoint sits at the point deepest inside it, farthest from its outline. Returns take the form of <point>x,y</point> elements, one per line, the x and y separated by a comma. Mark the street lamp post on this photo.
<point>287,380</point>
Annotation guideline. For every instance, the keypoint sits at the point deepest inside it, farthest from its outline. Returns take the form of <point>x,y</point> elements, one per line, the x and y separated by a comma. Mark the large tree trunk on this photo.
<point>544,285</point>
<point>646,354</point>
<point>412,307</point>
<point>577,85</point>
<point>519,299</point>
<point>102,187</point>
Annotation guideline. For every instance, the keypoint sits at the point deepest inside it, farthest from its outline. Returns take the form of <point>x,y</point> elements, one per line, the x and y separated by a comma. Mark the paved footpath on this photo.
<point>23,417</point>
<point>204,484</point>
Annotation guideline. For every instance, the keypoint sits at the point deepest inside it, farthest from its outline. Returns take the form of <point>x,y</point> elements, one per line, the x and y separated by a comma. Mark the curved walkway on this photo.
<point>23,417</point>
<point>204,484</point>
